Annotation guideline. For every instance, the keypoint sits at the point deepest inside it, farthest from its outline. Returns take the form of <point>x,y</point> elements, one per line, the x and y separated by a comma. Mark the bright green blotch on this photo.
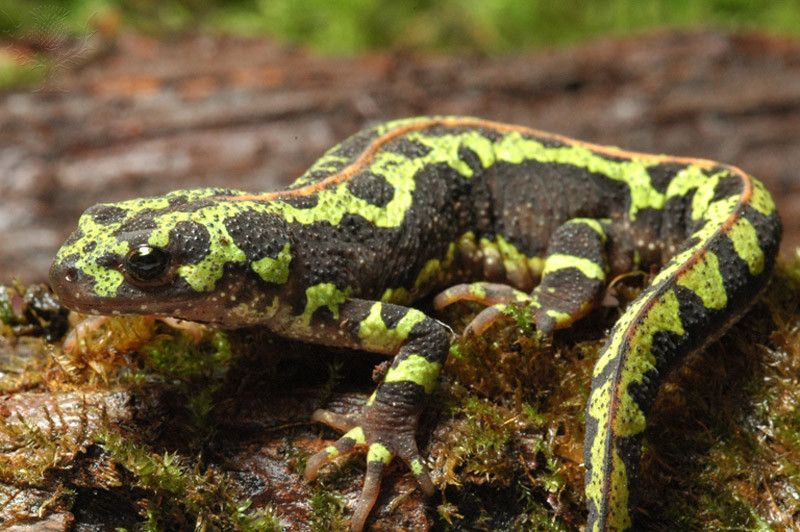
<point>595,225</point>
<point>106,280</point>
<point>687,179</point>
<point>761,200</point>
<point>331,451</point>
<point>274,270</point>
<point>375,336</point>
<point>416,369</point>
<point>478,290</point>
<point>357,435</point>
<point>588,268</point>
<point>560,318</point>
<point>745,242</point>
<point>705,280</point>
<point>323,295</point>
<point>203,275</point>
<point>378,453</point>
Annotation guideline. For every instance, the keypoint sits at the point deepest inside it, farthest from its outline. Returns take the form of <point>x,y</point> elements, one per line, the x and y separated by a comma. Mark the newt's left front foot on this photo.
<point>385,431</point>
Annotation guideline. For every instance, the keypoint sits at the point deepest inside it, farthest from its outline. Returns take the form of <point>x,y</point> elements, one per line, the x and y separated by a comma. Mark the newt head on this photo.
<point>189,254</point>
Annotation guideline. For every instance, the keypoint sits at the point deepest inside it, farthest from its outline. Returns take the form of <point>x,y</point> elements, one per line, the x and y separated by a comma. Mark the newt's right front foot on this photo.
<point>385,432</point>
<point>386,428</point>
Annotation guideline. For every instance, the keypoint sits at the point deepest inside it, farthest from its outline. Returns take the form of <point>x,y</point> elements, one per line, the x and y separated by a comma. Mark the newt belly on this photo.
<point>495,213</point>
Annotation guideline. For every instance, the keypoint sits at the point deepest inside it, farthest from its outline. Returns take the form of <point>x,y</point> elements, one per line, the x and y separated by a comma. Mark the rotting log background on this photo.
<point>141,116</point>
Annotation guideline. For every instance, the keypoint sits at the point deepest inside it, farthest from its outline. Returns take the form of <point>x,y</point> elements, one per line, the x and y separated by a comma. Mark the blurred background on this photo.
<point>103,100</point>
<point>352,26</point>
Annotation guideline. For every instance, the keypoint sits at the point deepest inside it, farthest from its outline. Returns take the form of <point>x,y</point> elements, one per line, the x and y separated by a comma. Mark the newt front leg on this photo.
<point>387,426</point>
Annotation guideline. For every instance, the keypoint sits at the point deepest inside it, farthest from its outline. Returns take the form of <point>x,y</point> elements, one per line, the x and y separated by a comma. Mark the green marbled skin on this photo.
<point>401,210</point>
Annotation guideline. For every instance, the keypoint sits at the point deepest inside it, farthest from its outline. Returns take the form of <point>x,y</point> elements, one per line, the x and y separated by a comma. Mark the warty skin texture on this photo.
<point>414,206</point>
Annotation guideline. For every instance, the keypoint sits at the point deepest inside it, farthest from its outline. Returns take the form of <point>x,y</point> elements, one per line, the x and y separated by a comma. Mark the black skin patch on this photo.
<point>675,218</point>
<point>438,201</point>
<point>573,290</point>
<point>408,148</point>
<point>303,202</point>
<point>256,233</point>
<point>189,242</point>
<point>727,186</point>
<point>392,314</point>
<point>74,237</point>
<point>107,214</point>
<point>561,192</point>
<point>577,239</point>
<point>323,259</point>
<point>372,188</point>
<point>109,260</point>
<point>735,274</point>
<point>664,348</point>
<point>401,393</point>
<point>356,145</point>
<point>695,318</point>
<point>630,451</point>
<point>471,159</point>
<point>355,229</point>
<point>143,222</point>
<point>662,174</point>
<point>651,235</point>
<point>768,229</point>
<point>431,339</point>
<point>177,201</point>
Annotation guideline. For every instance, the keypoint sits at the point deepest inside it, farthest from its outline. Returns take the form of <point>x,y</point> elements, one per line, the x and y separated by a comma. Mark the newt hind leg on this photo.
<point>573,278</point>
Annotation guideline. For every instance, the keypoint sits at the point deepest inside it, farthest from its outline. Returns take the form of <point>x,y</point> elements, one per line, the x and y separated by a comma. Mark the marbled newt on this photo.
<point>413,206</point>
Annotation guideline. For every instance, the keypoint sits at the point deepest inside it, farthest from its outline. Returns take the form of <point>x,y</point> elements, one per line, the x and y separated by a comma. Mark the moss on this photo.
<point>182,357</point>
<point>185,495</point>
<point>722,447</point>
<point>328,510</point>
<point>97,349</point>
<point>510,456</point>
<point>30,451</point>
<point>195,365</point>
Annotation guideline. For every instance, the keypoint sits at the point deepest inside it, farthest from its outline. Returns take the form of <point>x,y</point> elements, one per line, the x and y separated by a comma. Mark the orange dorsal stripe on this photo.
<point>375,146</point>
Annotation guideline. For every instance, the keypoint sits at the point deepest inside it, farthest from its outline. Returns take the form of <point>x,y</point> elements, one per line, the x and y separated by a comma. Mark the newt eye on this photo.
<point>147,264</point>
